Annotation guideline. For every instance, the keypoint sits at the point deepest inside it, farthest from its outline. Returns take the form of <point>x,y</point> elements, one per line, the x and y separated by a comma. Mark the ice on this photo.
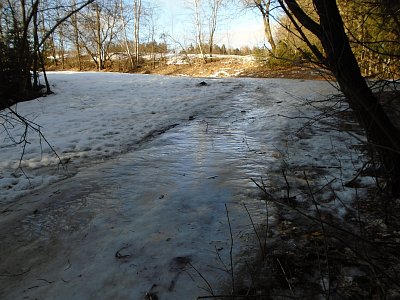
<point>151,162</point>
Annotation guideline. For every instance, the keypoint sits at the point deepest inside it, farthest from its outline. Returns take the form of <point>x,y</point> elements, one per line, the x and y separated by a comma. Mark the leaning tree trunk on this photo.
<point>340,59</point>
<point>265,11</point>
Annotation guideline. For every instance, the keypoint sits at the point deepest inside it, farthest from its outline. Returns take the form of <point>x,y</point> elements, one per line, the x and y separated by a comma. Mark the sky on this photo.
<point>236,27</point>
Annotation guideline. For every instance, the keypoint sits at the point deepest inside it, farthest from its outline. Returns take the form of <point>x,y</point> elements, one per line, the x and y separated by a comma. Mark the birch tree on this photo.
<point>199,27</point>
<point>124,21</point>
<point>137,11</point>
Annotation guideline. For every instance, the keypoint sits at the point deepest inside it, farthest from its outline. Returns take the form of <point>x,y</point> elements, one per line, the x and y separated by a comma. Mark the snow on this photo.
<point>115,113</point>
<point>150,162</point>
<point>181,59</point>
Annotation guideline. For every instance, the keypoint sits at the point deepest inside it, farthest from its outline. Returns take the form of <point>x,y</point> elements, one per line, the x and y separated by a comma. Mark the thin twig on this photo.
<point>231,249</point>
<point>324,234</point>
<point>287,279</point>
<point>202,277</point>
<point>225,269</point>
<point>287,185</point>
<point>256,232</point>
<point>267,221</point>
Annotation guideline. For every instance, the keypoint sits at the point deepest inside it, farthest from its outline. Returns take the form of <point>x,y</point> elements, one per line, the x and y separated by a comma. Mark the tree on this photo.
<point>99,35</point>
<point>215,6</point>
<point>199,26</point>
<point>205,13</point>
<point>151,36</point>
<point>223,49</point>
<point>292,46</point>
<point>126,40</point>
<point>61,35</point>
<point>137,11</point>
<point>75,37</point>
<point>264,7</point>
<point>339,58</point>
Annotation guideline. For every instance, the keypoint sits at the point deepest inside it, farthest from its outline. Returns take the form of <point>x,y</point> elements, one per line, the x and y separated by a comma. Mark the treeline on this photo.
<point>118,59</point>
<point>222,50</point>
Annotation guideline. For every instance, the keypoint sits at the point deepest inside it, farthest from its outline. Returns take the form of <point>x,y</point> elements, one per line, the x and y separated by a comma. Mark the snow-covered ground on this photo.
<point>149,164</point>
<point>93,117</point>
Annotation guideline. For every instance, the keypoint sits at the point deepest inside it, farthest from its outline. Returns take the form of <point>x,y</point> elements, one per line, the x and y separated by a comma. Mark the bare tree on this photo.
<point>137,11</point>
<point>214,6</point>
<point>97,37</point>
<point>264,7</point>
<point>99,41</point>
<point>75,36</point>
<point>202,11</point>
<point>61,37</point>
<point>199,27</point>
<point>125,32</point>
<point>151,18</point>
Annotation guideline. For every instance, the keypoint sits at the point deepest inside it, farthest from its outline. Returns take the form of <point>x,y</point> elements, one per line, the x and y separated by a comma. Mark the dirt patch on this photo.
<point>235,68</point>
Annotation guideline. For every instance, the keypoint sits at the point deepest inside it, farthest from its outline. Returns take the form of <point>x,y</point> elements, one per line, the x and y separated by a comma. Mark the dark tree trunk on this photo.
<point>340,59</point>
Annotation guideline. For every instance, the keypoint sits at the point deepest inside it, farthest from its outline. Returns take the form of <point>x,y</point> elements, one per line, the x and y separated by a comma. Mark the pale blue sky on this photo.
<point>236,27</point>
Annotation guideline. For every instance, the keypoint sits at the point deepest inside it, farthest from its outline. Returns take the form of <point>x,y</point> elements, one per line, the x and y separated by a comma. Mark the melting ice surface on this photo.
<point>153,161</point>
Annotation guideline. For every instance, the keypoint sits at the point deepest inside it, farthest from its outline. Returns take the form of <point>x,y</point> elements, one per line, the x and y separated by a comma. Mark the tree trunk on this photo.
<point>215,5</point>
<point>136,34</point>
<point>99,42</point>
<point>62,48</point>
<point>340,59</point>
<point>264,8</point>
<point>74,21</point>
<point>128,50</point>
<point>199,31</point>
<point>48,89</point>
<point>35,64</point>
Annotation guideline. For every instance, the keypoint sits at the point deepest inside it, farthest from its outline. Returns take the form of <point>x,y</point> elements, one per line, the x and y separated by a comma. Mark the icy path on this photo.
<point>137,223</point>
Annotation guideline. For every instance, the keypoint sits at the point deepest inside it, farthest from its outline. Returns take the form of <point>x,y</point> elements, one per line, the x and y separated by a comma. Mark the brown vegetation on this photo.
<point>216,67</point>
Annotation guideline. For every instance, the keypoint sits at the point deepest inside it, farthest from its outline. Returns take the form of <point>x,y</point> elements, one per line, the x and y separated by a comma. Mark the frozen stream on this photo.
<point>143,219</point>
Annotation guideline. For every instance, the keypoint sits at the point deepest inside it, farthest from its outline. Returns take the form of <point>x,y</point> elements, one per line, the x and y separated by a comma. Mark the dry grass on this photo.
<point>226,67</point>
